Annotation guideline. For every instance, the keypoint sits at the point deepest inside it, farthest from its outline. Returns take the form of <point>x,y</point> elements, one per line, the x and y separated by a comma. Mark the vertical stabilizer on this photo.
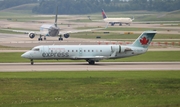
<point>144,39</point>
<point>55,23</point>
<point>103,14</point>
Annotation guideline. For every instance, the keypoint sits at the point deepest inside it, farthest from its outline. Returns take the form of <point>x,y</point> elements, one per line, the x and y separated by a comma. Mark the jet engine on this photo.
<point>66,35</point>
<point>31,35</point>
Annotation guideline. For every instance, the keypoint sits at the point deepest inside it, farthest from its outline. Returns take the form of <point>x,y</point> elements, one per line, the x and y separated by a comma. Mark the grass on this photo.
<point>118,36</point>
<point>13,48</point>
<point>154,56</point>
<point>122,28</point>
<point>90,89</point>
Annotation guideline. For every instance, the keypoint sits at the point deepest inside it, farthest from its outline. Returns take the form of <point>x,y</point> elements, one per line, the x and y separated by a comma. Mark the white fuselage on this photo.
<point>118,20</point>
<point>92,52</point>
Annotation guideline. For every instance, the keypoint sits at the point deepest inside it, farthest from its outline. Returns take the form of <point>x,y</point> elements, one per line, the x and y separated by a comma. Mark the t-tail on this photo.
<point>55,23</point>
<point>144,39</point>
<point>103,14</point>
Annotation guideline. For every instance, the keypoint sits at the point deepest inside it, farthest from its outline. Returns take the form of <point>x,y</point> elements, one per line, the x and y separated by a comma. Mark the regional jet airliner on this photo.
<point>90,53</point>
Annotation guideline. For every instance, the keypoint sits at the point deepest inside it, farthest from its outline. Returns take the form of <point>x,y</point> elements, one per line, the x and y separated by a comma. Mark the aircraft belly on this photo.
<point>53,32</point>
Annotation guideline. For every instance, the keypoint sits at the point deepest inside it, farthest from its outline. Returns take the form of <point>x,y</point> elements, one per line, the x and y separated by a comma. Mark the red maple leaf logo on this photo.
<point>144,41</point>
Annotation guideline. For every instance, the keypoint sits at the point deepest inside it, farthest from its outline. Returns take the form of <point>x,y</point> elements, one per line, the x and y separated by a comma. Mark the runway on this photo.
<point>84,66</point>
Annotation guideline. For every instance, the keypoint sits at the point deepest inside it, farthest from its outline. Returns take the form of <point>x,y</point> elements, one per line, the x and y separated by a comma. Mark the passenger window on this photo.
<point>76,50</point>
<point>84,50</point>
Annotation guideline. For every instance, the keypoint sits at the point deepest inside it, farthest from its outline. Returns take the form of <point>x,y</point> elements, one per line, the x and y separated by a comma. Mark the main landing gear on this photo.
<point>60,38</point>
<point>91,62</point>
<point>32,62</point>
<point>112,24</point>
<point>40,38</point>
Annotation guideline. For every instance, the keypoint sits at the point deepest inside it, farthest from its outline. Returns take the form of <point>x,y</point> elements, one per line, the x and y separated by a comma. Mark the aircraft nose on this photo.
<point>25,55</point>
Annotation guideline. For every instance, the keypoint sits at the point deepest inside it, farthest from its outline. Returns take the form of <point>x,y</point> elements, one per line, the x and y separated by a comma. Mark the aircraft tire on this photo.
<point>91,62</point>
<point>60,39</point>
<point>39,39</point>
<point>32,62</point>
<point>112,24</point>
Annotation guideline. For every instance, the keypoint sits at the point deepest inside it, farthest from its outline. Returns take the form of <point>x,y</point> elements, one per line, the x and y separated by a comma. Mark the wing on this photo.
<point>35,32</point>
<point>89,17</point>
<point>27,32</point>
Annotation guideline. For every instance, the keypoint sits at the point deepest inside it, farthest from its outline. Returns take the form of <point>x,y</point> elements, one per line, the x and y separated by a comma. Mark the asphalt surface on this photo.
<point>84,66</point>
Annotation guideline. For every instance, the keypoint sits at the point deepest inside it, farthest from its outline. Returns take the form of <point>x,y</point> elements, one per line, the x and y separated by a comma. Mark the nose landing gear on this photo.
<point>32,62</point>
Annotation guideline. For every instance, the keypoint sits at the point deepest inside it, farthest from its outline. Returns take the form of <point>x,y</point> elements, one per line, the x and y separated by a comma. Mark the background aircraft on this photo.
<point>53,30</point>
<point>113,21</point>
<point>91,53</point>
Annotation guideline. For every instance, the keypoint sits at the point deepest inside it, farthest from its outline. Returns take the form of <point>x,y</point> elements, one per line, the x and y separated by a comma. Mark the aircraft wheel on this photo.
<point>120,24</point>
<point>91,62</point>
<point>44,38</point>
<point>112,24</point>
<point>60,39</point>
<point>32,62</point>
<point>39,39</point>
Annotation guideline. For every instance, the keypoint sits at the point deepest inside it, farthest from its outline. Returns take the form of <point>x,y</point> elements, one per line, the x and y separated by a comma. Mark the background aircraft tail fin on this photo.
<point>104,14</point>
<point>55,23</point>
<point>144,39</point>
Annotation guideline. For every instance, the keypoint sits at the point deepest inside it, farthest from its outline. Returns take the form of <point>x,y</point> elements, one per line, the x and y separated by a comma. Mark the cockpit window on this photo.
<point>35,49</point>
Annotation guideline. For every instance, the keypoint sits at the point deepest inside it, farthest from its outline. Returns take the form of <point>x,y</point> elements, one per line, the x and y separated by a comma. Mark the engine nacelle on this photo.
<point>66,35</point>
<point>31,35</point>
<point>125,49</point>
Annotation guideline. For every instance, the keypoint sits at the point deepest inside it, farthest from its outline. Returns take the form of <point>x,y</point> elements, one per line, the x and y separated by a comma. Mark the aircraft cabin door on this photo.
<point>43,49</point>
<point>80,51</point>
